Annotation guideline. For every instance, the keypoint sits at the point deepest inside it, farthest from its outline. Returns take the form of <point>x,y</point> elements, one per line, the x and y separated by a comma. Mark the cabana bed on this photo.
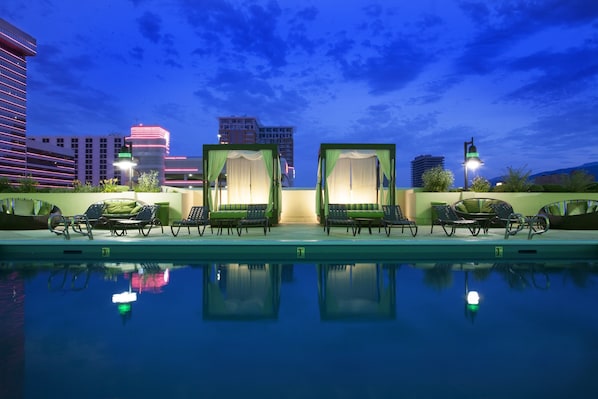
<point>251,175</point>
<point>361,176</point>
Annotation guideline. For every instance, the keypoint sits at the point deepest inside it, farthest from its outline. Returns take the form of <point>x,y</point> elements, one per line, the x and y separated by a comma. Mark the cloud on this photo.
<point>396,64</point>
<point>556,76</point>
<point>506,24</point>
<point>250,29</point>
<point>241,92</point>
<point>150,25</point>
<point>137,53</point>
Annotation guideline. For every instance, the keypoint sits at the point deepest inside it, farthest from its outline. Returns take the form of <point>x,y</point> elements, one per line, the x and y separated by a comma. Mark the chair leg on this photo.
<point>177,230</point>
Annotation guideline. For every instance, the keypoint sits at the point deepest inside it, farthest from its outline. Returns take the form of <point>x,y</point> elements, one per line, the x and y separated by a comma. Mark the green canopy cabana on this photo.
<point>250,172</point>
<point>355,173</point>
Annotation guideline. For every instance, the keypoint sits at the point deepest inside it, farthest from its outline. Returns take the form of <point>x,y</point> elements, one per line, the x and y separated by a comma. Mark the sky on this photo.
<point>520,77</point>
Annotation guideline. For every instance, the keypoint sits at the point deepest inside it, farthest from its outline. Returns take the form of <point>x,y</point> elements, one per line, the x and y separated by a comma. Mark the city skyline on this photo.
<point>520,77</point>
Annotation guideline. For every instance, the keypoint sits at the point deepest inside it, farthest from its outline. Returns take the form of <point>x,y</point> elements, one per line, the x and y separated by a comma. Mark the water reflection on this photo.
<point>295,331</point>
<point>356,291</point>
<point>241,291</point>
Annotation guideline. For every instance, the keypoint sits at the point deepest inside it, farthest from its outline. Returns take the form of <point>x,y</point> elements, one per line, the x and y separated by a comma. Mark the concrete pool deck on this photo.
<point>298,243</point>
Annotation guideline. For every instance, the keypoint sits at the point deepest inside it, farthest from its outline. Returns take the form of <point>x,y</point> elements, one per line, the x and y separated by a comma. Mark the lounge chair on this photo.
<point>143,221</point>
<point>515,222</point>
<point>93,213</point>
<point>256,217</point>
<point>337,216</point>
<point>448,218</point>
<point>198,217</point>
<point>393,217</point>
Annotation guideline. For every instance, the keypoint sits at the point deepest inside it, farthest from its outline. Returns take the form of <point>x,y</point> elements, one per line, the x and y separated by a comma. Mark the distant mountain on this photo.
<point>590,168</point>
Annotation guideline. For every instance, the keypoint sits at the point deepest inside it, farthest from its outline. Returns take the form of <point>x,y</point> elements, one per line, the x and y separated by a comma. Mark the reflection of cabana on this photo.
<point>241,291</point>
<point>355,174</point>
<point>356,291</point>
<point>252,175</point>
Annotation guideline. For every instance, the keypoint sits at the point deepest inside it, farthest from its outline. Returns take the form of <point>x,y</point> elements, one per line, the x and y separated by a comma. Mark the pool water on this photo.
<point>299,331</point>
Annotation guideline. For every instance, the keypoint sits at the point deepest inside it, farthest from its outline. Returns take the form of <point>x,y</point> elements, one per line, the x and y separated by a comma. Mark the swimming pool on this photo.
<point>259,330</point>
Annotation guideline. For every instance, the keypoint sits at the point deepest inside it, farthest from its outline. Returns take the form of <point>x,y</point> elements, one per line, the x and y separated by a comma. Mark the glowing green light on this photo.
<point>124,308</point>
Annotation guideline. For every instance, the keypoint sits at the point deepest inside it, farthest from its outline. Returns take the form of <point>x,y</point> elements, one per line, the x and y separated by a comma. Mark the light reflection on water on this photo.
<point>296,331</point>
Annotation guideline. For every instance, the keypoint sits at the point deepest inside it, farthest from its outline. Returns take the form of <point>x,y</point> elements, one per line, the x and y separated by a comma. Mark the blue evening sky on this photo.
<point>519,76</point>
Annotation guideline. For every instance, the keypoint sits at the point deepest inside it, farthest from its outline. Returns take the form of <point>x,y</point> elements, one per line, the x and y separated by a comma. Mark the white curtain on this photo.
<point>353,179</point>
<point>247,177</point>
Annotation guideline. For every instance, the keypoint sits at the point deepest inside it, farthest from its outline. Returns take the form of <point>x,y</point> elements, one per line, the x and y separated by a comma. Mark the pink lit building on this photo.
<point>151,145</point>
<point>15,46</point>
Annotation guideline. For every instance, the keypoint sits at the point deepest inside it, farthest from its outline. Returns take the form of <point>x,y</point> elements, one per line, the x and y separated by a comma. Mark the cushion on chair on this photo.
<point>554,209</point>
<point>43,208</point>
<point>576,208</point>
<point>23,207</point>
<point>120,207</point>
<point>486,206</point>
<point>137,209</point>
<point>472,205</point>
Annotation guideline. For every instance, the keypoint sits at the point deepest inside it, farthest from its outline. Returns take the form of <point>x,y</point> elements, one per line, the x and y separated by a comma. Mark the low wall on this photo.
<point>299,205</point>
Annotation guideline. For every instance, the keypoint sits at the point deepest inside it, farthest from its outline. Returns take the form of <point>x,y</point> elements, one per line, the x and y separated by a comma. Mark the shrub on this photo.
<point>516,180</point>
<point>148,182</point>
<point>480,185</point>
<point>5,186</point>
<point>109,185</point>
<point>28,185</point>
<point>578,181</point>
<point>437,179</point>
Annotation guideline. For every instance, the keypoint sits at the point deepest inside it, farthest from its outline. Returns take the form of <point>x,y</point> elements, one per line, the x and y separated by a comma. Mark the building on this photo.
<point>151,146</point>
<point>237,130</point>
<point>420,164</point>
<point>49,165</point>
<point>93,155</point>
<point>184,172</point>
<point>15,46</point>
<point>248,130</point>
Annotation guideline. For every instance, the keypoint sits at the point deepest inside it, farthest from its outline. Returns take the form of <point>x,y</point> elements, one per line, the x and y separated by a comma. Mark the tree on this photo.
<point>578,181</point>
<point>480,185</point>
<point>437,179</point>
<point>148,182</point>
<point>516,180</point>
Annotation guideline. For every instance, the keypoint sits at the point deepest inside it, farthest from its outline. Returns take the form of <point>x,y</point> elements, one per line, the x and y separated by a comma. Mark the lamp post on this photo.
<point>471,160</point>
<point>126,161</point>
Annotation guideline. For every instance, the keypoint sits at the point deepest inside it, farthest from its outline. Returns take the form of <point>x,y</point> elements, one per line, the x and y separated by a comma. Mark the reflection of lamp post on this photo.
<point>124,301</point>
<point>471,159</point>
<point>126,161</point>
<point>472,300</point>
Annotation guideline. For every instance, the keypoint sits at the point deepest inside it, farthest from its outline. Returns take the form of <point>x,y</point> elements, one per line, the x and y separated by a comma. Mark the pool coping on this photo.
<point>299,243</point>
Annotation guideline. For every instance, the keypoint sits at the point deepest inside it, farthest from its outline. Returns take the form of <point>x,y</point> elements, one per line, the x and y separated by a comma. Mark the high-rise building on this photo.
<point>93,155</point>
<point>49,165</point>
<point>248,130</point>
<point>281,135</point>
<point>151,145</point>
<point>420,164</point>
<point>15,46</point>
<point>237,130</point>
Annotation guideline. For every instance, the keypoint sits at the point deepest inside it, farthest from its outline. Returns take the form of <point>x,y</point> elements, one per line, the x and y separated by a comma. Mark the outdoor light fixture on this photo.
<point>471,160</point>
<point>126,161</point>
